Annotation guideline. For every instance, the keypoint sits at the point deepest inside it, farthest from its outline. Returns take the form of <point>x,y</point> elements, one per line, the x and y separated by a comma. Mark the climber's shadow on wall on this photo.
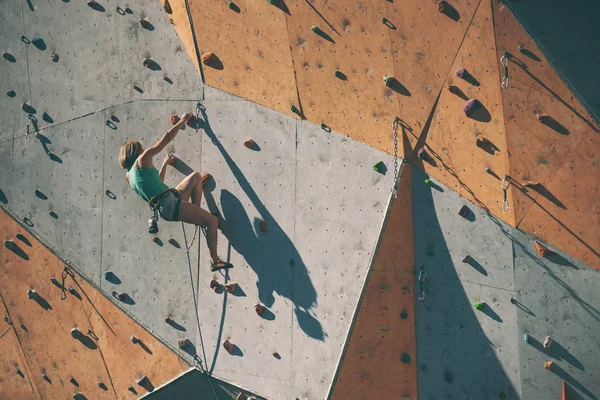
<point>272,255</point>
<point>451,339</point>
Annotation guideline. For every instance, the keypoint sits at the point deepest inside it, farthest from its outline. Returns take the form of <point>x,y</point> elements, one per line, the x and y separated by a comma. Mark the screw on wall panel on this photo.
<point>527,338</point>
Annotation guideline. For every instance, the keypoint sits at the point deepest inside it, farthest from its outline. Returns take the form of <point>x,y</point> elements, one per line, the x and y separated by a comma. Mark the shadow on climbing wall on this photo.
<point>275,259</point>
<point>457,353</point>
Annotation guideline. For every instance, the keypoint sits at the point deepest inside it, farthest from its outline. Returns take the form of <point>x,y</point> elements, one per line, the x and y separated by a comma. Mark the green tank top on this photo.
<point>146,182</point>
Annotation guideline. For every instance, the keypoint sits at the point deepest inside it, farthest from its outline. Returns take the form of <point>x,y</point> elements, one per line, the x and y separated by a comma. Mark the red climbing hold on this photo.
<point>249,143</point>
<point>542,250</point>
<point>263,225</point>
<point>231,287</point>
<point>147,62</point>
<point>174,119</point>
<point>228,346</point>
<point>215,285</point>
<point>260,309</point>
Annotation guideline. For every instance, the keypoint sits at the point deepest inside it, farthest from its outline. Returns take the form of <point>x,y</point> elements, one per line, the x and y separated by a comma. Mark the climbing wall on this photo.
<point>558,152</point>
<point>42,358</point>
<point>384,329</point>
<point>523,292</point>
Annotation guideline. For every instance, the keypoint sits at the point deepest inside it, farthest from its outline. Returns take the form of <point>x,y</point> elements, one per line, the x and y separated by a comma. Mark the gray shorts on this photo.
<point>169,207</point>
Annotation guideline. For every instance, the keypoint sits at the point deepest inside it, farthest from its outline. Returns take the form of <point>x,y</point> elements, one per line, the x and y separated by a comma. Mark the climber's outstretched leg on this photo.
<point>191,186</point>
<point>193,214</point>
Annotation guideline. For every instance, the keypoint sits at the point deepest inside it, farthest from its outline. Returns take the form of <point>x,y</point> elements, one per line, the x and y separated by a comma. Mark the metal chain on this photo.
<point>505,186</point>
<point>505,80</point>
<point>395,125</point>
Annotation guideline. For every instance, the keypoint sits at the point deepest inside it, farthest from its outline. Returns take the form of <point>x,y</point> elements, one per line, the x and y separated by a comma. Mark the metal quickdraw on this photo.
<point>395,125</point>
<point>32,120</point>
<point>505,186</point>
<point>422,276</point>
<point>66,272</point>
<point>505,80</point>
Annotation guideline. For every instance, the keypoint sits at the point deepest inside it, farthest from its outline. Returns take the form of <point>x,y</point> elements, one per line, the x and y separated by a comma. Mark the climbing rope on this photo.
<point>395,125</point>
<point>504,61</point>
<point>505,186</point>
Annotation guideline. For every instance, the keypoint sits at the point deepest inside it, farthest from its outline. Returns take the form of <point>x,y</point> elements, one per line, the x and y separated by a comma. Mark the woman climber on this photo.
<point>172,204</point>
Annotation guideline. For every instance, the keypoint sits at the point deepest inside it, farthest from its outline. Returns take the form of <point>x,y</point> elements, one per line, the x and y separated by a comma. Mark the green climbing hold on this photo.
<point>406,358</point>
<point>294,109</point>
<point>480,306</point>
<point>379,166</point>
<point>429,182</point>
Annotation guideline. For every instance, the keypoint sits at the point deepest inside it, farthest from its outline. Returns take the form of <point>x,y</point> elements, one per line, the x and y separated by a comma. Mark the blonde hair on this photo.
<point>130,151</point>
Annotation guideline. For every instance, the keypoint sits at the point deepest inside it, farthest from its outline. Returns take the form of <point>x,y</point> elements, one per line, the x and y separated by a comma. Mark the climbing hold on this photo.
<point>233,6</point>
<point>38,42</point>
<point>529,184</point>
<point>144,23</point>
<point>471,106</point>
<point>489,170</point>
<point>480,306</point>
<point>121,295</point>
<point>183,343</point>
<point>54,57</point>
<point>142,381</point>
<point>340,75</point>
<point>542,250</point>
<point>174,119</point>
<point>131,389</point>
<point>263,225</point>
<point>467,259</point>
<point>548,365</point>
<point>429,182</point>
<point>260,309</point>
<point>379,166</point>
<point>215,285</point>
<point>76,333</point>
<point>27,108</point>
<point>101,385</point>
<point>45,377</point>
<point>22,325</point>
<point>295,110</point>
<point>541,117</point>
<point>108,275</point>
<point>228,346</point>
<point>422,154</point>
<point>548,342</point>
<point>156,239</point>
<point>405,358</point>
<point>316,29</point>
<point>464,211</point>
<point>147,62</point>
<point>389,80</point>
<point>31,293</point>
<point>92,3</point>
<point>276,355</point>
<point>134,339</point>
<point>325,127</point>
<point>242,396</point>
<point>249,143</point>
<point>442,6</point>
<point>72,291</point>
<point>167,7</point>
<point>55,281</point>
<point>18,371</point>
<point>11,93</point>
<point>527,338</point>
<point>404,315</point>
<point>461,73</point>
<point>231,287</point>
<point>208,58</point>
<point>455,90</point>
<point>168,320</point>
<point>73,381</point>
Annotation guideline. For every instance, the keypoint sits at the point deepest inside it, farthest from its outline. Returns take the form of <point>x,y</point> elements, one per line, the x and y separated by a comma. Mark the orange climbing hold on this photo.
<point>548,365</point>
<point>529,184</point>
<point>174,119</point>
<point>542,250</point>
<point>208,58</point>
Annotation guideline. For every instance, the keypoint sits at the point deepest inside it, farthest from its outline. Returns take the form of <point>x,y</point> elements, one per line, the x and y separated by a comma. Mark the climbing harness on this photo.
<point>395,125</point>
<point>504,61</point>
<point>422,276</point>
<point>505,186</point>
<point>32,120</point>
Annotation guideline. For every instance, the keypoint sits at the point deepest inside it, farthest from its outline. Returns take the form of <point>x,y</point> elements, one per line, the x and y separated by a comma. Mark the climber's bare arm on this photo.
<point>150,152</point>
